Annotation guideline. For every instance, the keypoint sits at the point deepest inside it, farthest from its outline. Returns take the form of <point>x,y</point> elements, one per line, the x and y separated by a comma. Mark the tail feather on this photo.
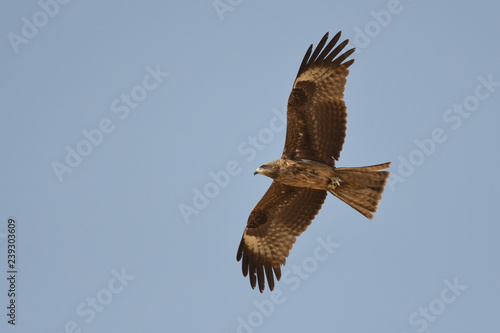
<point>362,187</point>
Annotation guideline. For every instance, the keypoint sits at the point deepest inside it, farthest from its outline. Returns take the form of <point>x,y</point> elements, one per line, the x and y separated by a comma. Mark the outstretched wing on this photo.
<point>282,214</point>
<point>317,117</point>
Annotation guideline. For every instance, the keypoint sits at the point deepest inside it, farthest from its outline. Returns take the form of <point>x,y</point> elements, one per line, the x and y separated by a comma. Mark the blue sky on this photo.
<point>130,132</point>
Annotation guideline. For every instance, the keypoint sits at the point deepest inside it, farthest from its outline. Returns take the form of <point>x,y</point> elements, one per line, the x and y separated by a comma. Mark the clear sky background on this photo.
<point>130,132</point>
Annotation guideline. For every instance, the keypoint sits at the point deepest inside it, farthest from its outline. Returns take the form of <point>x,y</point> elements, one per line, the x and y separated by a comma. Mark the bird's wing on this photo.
<point>282,214</point>
<point>317,117</point>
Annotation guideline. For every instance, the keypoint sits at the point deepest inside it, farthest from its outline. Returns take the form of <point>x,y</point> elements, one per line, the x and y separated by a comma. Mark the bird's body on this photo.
<point>300,173</point>
<point>306,171</point>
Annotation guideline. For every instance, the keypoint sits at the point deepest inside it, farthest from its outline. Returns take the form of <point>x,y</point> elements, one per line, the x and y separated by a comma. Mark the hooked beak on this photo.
<point>255,172</point>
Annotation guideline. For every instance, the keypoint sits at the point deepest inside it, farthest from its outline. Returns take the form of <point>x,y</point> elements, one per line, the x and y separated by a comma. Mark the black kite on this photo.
<point>316,126</point>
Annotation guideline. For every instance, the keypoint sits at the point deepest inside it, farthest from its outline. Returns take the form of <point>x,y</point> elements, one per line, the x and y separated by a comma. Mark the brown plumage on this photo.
<point>316,125</point>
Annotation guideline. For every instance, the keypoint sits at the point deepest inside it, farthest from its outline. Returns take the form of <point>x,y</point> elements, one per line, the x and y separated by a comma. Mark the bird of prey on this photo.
<point>306,172</point>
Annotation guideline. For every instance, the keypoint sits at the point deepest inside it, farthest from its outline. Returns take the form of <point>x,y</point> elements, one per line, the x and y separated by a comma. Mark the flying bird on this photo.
<point>306,172</point>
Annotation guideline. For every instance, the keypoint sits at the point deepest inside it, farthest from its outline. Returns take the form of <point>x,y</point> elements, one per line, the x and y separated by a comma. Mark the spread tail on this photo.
<point>362,187</point>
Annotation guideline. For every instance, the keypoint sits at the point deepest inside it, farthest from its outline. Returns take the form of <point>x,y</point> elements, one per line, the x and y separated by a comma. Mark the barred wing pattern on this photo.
<point>282,214</point>
<point>317,117</point>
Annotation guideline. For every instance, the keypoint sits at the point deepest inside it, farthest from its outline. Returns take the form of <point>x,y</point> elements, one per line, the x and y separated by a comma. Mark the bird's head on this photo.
<point>270,169</point>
